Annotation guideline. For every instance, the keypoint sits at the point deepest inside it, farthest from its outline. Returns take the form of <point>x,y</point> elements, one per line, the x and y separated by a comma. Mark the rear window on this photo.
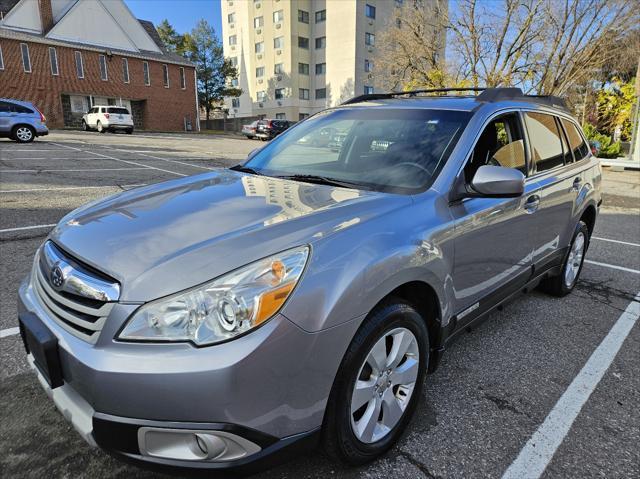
<point>118,111</point>
<point>545,140</point>
<point>15,108</point>
<point>576,142</point>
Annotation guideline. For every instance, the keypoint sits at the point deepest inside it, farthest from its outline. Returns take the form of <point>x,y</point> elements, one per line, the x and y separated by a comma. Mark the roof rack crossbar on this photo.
<point>487,95</point>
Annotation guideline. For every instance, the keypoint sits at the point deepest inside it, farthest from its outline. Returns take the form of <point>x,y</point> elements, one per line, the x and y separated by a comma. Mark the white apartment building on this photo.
<point>296,57</point>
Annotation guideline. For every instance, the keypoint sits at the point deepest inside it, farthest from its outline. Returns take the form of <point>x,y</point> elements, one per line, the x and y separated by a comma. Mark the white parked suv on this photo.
<point>103,118</point>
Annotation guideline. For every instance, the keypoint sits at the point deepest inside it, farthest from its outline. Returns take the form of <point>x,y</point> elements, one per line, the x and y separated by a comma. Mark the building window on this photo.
<point>278,68</point>
<point>79,104</point>
<point>1,59</point>
<point>53,60</point>
<point>145,73</point>
<point>321,16</point>
<point>183,80</point>
<point>281,116</point>
<point>234,82</point>
<point>231,18</point>
<point>259,72</point>
<point>258,22</point>
<point>303,42</point>
<point>279,93</point>
<point>79,65</point>
<point>234,61</point>
<point>165,75</point>
<point>278,16</point>
<point>304,93</point>
<point>369,39</point>
<point>125,70</point>
<point>321,42</point>
<point>368,90</point>
<point>233,39</point>
<point>235,102</point>
<point>26,59</point>
<point>321,93</point>
<point>370,11</point>
<point>303,17</point>
<point>278,43</point>
<point>368,66</point>
<point>302,116</point>
<point>259,47</point>
<point>321,68</point>
<point>104,75</point>
<point>303,68</point>
<point>261,95</point>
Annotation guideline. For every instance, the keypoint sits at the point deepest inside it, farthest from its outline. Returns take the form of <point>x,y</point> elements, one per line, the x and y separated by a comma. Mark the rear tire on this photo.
<point>563,284</point>
<point>23,134</point>
<point>356,434</point>
<point>100,128</point>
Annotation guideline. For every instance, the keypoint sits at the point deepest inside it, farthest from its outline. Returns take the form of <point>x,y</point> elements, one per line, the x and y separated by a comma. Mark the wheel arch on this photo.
<point>589,217</point>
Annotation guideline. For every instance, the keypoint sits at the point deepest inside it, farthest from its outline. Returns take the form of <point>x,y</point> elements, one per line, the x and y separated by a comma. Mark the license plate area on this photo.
<point>42,344</point>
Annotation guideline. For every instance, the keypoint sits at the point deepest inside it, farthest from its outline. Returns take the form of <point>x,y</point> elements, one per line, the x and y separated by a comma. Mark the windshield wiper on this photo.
<point>322,180</point>
<point>245,169</point>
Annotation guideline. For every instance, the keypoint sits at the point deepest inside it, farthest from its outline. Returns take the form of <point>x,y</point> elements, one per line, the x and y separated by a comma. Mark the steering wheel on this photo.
<point>416,165</point>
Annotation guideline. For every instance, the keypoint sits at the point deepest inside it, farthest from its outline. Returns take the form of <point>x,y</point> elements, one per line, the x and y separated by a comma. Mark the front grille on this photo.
<point>79,315</point>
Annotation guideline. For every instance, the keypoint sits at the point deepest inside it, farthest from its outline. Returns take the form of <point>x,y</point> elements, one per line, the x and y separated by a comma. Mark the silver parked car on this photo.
<point>21,121</point>
<point>216,320</point>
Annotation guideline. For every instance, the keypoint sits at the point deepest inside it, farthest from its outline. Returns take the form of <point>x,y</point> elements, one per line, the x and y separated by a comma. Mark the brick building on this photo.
<point>67,55</point>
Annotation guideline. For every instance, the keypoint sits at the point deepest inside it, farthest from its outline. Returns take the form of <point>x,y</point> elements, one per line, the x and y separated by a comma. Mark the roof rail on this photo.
<point>487,95</point>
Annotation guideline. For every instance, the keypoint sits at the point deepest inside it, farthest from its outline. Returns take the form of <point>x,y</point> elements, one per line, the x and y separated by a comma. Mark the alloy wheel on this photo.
<point>384,385</point>
<point>24,133</point>
<point>574,260</point>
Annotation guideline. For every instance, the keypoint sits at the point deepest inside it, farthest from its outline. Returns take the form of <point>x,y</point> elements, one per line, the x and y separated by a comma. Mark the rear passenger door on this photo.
<point>556,179</point>
<point>5,116</point>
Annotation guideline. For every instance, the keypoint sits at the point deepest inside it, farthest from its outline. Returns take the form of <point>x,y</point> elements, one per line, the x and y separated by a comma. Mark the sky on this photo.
<point>182,14</point>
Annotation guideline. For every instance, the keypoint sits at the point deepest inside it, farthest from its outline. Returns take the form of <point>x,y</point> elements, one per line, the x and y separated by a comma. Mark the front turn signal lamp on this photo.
<point>223,308</point>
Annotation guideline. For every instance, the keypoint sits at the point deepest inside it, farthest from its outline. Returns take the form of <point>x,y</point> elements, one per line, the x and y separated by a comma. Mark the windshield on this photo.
<point>398,151</point>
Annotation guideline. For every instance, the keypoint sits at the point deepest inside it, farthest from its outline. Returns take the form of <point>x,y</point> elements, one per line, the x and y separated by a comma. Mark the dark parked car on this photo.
<point>21,120</point>
<point>269,129</point>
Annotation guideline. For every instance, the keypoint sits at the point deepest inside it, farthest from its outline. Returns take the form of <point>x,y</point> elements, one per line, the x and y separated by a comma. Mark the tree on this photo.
<point>410,50</point>
<point>214,72</point>
<point>173,41</point>
<point>614,108</point>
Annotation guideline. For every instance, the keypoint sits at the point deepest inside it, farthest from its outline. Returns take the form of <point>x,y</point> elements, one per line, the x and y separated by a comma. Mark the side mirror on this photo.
<point>497,182</point>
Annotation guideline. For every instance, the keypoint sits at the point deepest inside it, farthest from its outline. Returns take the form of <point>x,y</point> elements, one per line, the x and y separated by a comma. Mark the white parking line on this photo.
<point>124,161</point>
<point>75,169</point>
<point>9,332</point>
<point>22,228</point>
<point>612,266</point>
<point>543,444</point>
<point>72,188</point>
<point>164,159</point>
<point>615,241</point>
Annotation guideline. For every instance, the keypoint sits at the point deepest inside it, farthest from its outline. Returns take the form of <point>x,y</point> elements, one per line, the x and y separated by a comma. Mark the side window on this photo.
<point>21,109</point>
<point>577,143</point>
<point>568,157</point>
<point>5,107</point>
<point>500,144</point>
<point>546,145</point>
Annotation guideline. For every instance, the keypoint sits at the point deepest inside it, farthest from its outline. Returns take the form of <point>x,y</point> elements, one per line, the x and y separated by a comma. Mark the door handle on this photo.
<point>576,184</point>
<point>532,204</point>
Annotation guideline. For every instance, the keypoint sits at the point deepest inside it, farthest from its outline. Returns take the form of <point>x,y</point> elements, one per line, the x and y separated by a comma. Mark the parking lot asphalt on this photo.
<point>499,390</point>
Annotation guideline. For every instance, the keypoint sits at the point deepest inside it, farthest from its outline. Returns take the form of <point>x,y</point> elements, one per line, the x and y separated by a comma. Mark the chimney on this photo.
<point>46,15</point>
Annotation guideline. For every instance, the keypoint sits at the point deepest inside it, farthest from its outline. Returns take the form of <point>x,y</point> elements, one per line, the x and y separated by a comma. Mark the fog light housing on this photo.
<point>194,445</point>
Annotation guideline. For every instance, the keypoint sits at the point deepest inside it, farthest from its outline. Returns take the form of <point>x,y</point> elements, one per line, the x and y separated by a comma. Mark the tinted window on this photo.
<point>545,141</point>
<point>5,107</point>
<point>499,144</point>
<point>118,111</point>
<point>576,142</point>
<point>390,150</point>
<point>20,109</point>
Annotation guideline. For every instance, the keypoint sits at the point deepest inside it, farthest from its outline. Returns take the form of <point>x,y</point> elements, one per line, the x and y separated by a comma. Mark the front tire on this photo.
<point>23,134</point>
<point>378,385</point>
<point>129,131</point>
<point>563,284</point>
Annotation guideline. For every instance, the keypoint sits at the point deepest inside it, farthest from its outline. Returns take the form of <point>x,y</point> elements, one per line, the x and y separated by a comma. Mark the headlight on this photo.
<point>224,308</point>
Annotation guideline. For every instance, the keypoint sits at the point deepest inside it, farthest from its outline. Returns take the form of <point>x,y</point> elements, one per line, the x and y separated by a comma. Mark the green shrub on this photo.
<point>608,148</point>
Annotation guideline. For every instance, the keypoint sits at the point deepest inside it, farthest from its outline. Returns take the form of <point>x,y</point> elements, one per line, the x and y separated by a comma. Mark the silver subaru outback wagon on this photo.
<point>221,320</point>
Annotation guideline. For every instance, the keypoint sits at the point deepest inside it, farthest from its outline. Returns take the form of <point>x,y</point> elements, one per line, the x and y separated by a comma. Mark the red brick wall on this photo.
<point>165,108</point>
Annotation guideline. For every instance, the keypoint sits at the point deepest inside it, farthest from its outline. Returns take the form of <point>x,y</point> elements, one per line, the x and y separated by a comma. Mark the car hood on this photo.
<point>167,237</point>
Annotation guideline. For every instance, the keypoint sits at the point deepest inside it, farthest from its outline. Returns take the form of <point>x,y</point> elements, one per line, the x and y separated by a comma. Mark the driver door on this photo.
<point>494,240</point>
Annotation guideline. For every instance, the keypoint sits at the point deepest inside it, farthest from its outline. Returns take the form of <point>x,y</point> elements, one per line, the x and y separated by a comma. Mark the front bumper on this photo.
<point>269,387</point>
